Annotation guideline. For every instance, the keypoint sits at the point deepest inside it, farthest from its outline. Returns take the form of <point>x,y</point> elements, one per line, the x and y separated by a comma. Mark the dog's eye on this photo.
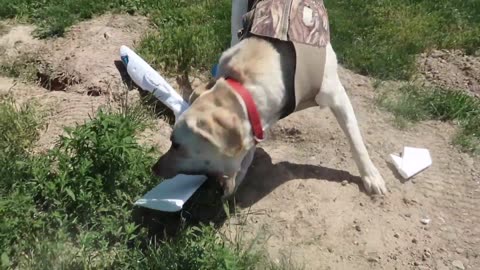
<point>175,145</point>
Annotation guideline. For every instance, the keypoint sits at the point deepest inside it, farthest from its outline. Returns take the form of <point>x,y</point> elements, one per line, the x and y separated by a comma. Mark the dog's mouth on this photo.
<point>215,176</point>
<point>218,177</point>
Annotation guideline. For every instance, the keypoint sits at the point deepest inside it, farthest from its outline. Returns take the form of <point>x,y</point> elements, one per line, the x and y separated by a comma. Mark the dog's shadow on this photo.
<point>206,207</point>
<point>264,176</point>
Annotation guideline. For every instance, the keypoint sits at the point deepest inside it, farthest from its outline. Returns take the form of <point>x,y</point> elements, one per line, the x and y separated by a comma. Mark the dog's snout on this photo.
<point>155,170</point>
<point>164,167</point>
<point>163,172</point>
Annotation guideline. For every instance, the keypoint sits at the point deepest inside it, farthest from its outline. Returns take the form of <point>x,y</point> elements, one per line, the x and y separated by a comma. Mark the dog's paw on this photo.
<point>374,183</point>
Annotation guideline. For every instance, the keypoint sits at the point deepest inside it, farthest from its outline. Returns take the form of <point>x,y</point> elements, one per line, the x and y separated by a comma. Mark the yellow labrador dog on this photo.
<point>257,84</point>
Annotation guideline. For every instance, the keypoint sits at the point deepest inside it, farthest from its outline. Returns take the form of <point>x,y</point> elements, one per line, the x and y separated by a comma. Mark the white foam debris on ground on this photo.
<point>412,161</point>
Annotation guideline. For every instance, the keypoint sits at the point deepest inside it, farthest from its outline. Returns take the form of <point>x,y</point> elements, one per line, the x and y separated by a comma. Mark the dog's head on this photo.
<point>209,138</point>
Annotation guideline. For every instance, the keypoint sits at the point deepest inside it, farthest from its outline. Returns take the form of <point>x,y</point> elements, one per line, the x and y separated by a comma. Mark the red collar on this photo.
<point>252,112</point>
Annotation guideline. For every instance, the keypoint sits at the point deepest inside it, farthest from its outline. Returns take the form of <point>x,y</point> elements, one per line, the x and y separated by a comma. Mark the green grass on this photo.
<point>381,38</point>
<point>413,104</point>
<point>55,16</point>
<point>190,33</point>
<point>373,37</point>
<point>72,208</point>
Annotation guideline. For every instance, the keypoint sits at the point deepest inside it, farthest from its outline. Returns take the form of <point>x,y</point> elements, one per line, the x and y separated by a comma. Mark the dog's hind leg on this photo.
<point>333,95</point>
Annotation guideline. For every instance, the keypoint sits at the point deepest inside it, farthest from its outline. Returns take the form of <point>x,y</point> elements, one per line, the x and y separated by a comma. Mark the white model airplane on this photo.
<point>171,194</point>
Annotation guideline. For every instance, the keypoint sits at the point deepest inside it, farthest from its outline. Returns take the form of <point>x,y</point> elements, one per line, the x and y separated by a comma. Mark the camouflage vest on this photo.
<point>305,24</point>
<point>301,21</point>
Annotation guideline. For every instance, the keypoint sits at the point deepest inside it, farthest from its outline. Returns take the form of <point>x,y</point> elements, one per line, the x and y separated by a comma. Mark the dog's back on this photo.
<point>263,64</point>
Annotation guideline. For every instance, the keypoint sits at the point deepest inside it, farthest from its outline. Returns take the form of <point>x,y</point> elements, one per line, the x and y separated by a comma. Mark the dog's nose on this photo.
<point>155,170</point>
<point>162,171</point>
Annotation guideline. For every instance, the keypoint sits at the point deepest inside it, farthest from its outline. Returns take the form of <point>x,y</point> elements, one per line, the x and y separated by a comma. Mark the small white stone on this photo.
<point>458,265</point>
<point>425,221</point>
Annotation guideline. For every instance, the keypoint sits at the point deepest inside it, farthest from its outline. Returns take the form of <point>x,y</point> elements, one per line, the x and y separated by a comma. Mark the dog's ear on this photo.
<point>228,126</point>
<point>203,127</point>
<point>222,128</point>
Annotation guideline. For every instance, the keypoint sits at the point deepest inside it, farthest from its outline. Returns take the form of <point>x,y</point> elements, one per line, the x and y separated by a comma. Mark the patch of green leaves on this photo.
<point>72,207</point>
<point>18,124</point>
<point>88,182</point>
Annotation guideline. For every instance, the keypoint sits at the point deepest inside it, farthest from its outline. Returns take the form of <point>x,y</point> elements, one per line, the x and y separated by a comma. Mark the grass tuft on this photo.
<point>55,16</point>
<point>414,103</point>
<point>382,38</point>
<point>24,67</point>
<point>190,34</point>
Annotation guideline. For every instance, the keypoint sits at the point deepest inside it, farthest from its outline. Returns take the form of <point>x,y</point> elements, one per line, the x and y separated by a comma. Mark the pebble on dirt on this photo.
<point>458,265</point>
<point>425,221</point>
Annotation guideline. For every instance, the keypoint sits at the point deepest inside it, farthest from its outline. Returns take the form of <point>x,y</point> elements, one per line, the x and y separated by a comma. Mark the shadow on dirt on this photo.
<point>206,207</point>
<point>274,175</point>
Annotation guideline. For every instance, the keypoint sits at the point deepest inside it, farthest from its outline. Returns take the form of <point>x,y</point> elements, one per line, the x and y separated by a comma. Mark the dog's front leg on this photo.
<point>343,111</point>
<point>333,95</point>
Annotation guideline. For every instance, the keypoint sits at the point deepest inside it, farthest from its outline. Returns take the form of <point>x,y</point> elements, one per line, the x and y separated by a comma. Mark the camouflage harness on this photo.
<point>305,24</point>
<point>300,21</point>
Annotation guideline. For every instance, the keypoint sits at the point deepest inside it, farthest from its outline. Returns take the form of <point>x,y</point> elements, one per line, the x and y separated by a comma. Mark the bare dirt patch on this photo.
<point>86,60</point>
<point>16,40</point>
<point>90,50</point>
<point>451,69</point>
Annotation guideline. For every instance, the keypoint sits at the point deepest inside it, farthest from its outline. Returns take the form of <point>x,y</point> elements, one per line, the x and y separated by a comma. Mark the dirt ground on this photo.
<point>303,189</point>
<point>452,69</point>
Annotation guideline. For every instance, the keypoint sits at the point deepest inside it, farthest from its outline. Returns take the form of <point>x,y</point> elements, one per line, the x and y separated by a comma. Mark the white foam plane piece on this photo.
<point>171,194</point>
<point>412,161</point>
